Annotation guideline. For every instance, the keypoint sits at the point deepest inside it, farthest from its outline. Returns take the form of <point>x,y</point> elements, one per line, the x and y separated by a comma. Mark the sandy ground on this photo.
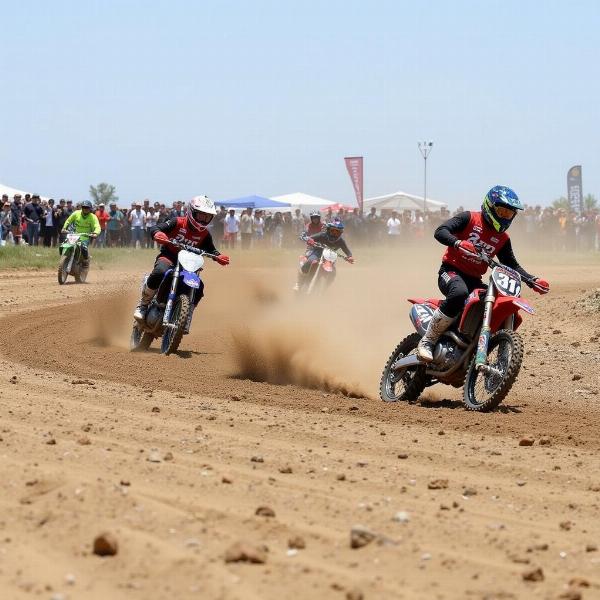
<point>273,403</point>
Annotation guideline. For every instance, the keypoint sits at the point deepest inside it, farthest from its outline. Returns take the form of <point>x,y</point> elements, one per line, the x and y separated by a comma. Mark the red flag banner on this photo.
<point>354,164</point>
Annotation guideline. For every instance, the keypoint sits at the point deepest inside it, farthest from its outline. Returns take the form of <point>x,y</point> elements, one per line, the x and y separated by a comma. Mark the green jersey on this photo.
<point>83,223</point>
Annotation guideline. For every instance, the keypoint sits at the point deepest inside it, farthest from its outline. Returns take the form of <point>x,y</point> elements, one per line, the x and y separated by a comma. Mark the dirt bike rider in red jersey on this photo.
<point>192,230</point>
<point>474,232</point>
<point>331,237</point>
<point>314,225</point>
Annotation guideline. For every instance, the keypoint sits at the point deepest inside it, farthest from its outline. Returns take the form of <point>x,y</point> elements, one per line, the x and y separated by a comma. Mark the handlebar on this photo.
<point>323,246</point>
<point>192,249</point>
<point>492,262</point>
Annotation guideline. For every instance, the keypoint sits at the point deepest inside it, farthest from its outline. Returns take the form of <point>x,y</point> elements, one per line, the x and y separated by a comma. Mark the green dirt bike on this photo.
<point>71,258</point>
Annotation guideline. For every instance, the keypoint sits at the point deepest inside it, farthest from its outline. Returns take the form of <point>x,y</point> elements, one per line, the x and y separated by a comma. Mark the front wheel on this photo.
<point>484,391</point>
<point>405,384</point>
<point>62,269</point>
<point>175,327</point>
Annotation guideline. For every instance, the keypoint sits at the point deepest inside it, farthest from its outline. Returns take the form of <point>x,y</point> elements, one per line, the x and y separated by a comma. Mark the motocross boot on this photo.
<point>142,307</point>
<point>438,324</point>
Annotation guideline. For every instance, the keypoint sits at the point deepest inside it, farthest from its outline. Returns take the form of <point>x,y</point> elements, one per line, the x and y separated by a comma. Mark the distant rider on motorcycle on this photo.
<point>192,230</point>
<point>86,222</point>
<point>474,232</point>
<point>331,238</point>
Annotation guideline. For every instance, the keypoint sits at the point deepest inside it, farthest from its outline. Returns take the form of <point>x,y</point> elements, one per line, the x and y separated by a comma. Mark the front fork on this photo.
<point>484,335</point>
<point>171,298</point>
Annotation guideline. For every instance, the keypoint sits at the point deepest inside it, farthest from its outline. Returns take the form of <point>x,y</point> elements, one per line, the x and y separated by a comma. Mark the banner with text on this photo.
<point>354,164</point>
<point>575,189</point>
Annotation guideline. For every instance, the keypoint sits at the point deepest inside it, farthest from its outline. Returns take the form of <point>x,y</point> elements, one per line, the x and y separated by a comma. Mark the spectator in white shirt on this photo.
<point>232,227</point>
<point>393,226</point>
<point>137,218</point>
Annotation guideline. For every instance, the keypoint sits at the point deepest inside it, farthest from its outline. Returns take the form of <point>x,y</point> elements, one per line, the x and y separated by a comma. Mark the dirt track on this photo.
<point>81,417</point>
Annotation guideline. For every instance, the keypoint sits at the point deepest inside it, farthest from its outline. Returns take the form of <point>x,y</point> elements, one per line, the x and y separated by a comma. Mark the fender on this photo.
<point>435,302</point>
<point>327,266</point>
<point>190,279</point>
<point>504,307</point>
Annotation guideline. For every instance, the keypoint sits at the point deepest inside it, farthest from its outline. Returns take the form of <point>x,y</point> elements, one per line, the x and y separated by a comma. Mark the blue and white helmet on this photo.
<point>334,229</point>
<point>500,207</point>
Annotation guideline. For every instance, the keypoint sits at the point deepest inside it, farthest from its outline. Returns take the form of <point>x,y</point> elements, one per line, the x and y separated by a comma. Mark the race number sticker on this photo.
<point>507,281</point>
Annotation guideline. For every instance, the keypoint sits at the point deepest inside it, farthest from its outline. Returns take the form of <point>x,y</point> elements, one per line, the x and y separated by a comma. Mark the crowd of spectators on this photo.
<point>35,221</point>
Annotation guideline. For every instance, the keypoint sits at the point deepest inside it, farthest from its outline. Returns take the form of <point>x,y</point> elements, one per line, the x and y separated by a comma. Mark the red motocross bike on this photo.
<point>480,351</point>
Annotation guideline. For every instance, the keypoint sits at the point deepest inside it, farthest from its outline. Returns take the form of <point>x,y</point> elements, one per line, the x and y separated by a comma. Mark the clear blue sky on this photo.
<point>168,99</point>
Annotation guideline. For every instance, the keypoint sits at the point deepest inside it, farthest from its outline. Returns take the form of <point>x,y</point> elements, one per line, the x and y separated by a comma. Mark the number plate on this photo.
<point>507,281</point>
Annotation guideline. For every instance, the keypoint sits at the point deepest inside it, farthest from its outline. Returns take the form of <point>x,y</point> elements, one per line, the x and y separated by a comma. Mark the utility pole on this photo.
<point>425,148</point>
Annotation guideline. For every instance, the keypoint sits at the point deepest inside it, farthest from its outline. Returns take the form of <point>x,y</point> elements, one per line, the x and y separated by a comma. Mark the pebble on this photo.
<point>591,548</point>
<point>257,459</point>
<point>354,594</point>
<point>360,536</point>
<point>401,517</point>
<point>526,441</point>
<point>264,511</point>
<point>154,457</point>
<point>168,456</point>
<point>226,479</point>
<point>106,544</point>
<point>245,552</point>
<point>545,441</point>
<point>285,470</point>
<point>469,492</point>
<point>438,484</point>
<point>297,542</point>
<point>535,574</point>
<point>84,441</point>
<point>576,377</point>
<point>403,456</point>
<point>566,525</point>
<point>155,409</point>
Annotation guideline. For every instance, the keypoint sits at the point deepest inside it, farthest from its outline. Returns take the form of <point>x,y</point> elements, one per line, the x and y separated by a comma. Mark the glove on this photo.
<point>541,286</point>
<point>466,246</point>
<point>161,237</point>
<point>350,259</point>
<point>222,259</point>
<point>310,242</point>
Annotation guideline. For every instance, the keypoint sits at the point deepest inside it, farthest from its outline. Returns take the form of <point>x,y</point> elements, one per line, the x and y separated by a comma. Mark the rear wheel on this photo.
<point>405,384</point>
<point>62,269</point>
<point>176,325</point>
<point>484,391</point>
<point>140,340</point>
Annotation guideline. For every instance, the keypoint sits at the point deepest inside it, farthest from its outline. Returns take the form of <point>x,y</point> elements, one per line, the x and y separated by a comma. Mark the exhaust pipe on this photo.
<point>406,361</point>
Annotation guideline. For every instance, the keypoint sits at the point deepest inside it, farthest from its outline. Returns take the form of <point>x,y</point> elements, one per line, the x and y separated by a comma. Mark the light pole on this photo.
<point>425,148</point>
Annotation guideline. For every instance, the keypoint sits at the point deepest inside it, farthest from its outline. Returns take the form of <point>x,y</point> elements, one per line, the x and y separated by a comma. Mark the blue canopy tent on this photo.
<point>253,202</point>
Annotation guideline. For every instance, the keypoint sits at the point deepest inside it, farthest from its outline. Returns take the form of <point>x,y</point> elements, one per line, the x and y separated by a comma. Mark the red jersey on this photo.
<point>178,229</point>
<point>314,228</point>
<point>482,237</point>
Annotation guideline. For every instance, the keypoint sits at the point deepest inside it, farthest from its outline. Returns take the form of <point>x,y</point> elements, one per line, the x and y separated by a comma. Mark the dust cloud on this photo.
<point>337,341</point>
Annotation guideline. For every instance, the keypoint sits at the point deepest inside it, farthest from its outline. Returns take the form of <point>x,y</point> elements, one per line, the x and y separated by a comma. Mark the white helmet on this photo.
<point>200,211</point>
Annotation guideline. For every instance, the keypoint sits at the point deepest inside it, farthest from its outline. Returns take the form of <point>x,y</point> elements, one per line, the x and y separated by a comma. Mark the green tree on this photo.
<point>103,193</point>
<point>590,202</point>
<point>561,202</point>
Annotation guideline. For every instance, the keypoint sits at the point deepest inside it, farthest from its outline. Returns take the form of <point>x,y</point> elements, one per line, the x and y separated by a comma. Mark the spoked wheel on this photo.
<point>404,384</point>
<point>176,325</point>
<point>485,390</point>
<point>140,340</point>
<point>81,274</point>
<point>62,269</point>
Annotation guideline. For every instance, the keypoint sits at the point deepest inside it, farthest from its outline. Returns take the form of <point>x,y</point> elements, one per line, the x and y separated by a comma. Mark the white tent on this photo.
<point>402,201</point>
<point>10,192</point>
<point>305,202</point>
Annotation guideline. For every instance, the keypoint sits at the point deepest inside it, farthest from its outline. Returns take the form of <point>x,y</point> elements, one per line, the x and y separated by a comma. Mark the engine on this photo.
<point>446,354</point>
<point>154,316</point>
